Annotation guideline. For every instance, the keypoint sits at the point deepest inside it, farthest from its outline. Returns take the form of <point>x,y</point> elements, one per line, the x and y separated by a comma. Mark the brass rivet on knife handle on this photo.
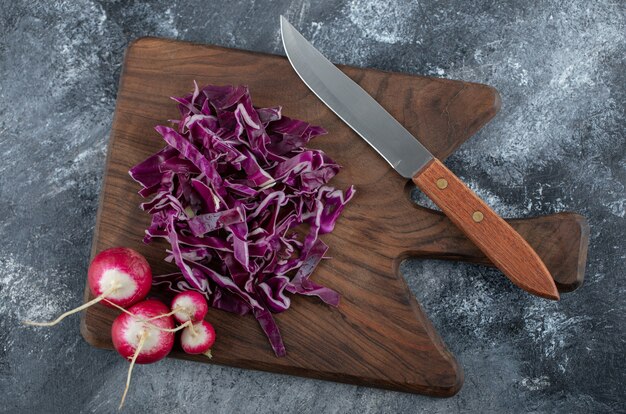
<point>509,251</point>
<point>442,183</point>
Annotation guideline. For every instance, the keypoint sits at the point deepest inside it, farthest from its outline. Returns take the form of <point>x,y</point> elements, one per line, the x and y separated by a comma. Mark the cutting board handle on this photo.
<point>560,240</point>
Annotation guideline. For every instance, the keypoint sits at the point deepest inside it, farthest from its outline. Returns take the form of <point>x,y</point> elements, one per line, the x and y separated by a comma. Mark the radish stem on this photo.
<point>178,328</point>
<point>140,319</point>
<point>115,305</point>
<point>142,341</point>
<point>177,309</point>
<point>78,309</point>
<point>147,321</point>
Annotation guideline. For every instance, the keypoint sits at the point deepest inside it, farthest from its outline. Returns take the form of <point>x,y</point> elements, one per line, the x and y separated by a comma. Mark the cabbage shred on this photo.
<point>242,203</point>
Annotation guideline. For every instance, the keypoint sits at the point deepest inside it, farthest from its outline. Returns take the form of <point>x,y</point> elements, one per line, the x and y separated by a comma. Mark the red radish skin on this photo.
<point>189,306</point>
<point>119,277</point>
<point>122,272</point>
<point>127,331</point>
<point>198,338</point>
<point>142,341</point>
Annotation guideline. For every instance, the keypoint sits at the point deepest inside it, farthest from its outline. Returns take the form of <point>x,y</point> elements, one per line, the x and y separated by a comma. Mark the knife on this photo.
<point>488,231</point>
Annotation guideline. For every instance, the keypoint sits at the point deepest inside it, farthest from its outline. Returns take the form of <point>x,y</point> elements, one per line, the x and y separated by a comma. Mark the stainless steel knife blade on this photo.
<point>353,105</point>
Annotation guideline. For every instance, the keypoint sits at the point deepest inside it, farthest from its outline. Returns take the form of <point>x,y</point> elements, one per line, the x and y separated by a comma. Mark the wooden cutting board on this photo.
<point>379,335</point>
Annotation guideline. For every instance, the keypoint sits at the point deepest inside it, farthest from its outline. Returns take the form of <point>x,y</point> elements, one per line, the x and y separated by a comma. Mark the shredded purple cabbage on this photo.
<point>242,203</point>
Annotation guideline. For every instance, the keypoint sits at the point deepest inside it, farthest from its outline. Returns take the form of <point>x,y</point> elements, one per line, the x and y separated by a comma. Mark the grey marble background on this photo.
<point>558,144</point>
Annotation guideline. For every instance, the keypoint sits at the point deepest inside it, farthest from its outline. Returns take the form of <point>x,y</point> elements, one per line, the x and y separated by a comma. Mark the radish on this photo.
<point>129,328</point>
<point>198,338</point>
<point>119,276</point>
<point>143,334</point>
<point>189,306</point>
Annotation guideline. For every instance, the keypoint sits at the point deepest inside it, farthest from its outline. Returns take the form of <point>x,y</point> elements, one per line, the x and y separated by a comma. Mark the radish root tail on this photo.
<point>178,328</point>
<point>73,311</point>
<point>115,305</point>
<point>175,310</point>
<point>142,341</point>
<point>147,321</point>
<point>208,354</point>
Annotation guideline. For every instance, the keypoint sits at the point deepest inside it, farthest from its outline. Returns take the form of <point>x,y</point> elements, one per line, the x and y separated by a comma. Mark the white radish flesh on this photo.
<point>142,341</point>
<point>123,273</point>
<point>198,338</point>
<point>128,328</point>
<point>189,306</point>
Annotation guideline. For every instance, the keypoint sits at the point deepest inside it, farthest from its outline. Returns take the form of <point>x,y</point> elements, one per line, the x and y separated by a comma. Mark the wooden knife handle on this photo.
<point>488,231</point>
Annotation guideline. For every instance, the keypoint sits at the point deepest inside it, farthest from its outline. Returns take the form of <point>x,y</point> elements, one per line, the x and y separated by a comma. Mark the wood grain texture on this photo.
<point>379,335</point>
<point>504,247</point>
